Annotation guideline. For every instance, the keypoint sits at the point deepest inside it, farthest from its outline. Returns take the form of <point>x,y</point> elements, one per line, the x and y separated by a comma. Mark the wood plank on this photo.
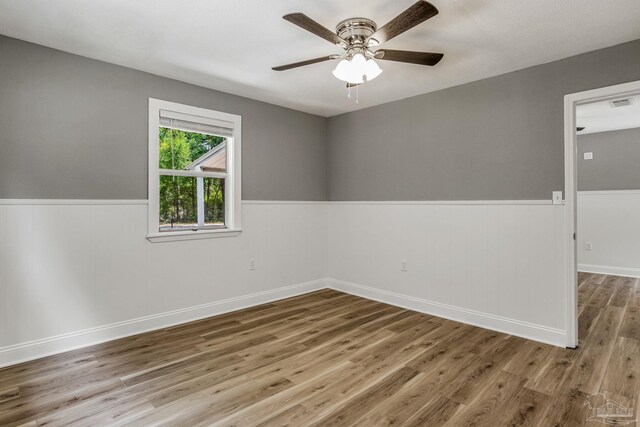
<point>622,292</point>
<point>450,347</point>
<point>567,409</point>
<point>354,409</point>
<point>295,416</point>
<point>586,288</point>
<point>525,408</point>
<point>587,317</point>
<point>265,409</point>
<point>9,394</point>
<point>586,374</point>
<point>362,377</point>
<point>631,322</point>
<point>387,321</point>
<point>553,371</point>
<point>183,387</point>
<point>490,403</point>
<point>24,409</point>
<point>110,410</point>
<point>221,361</point>
<point>40,369</point>
<point>300,368</point>
<point>469,382</point>
<point>604,291</point>
<point>528,360</point>
<point>214,403</point>
<point>341,329</point>
<point>623,371</point>
<point>413,404</point>
<point>435,413</point>
<point>415,339</point>
<point>409,322</point>
<point>253,323</point>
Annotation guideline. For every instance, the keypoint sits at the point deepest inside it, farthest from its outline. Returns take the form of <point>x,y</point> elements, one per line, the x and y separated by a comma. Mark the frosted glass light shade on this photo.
<point>342,70</point>
<point>372,70</point>
<point>358,61</point>
<point>357,72</point>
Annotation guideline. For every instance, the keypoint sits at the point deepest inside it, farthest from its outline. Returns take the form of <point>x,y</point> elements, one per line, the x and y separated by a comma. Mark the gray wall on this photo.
<point>616,160</point>
<point>76,128</point>
<point>65,121</point>
<point>494,139</point>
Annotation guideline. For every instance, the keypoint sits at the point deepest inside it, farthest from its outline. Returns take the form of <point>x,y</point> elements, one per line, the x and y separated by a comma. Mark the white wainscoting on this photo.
<point>74,273</point>
<point>495,265</point>
<point>610,221</point>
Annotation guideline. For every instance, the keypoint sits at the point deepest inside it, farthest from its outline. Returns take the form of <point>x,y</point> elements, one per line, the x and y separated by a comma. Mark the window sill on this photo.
<point>192,235</point>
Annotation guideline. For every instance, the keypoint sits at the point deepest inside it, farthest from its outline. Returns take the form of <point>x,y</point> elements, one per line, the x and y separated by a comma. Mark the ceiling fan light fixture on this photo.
<point>356,70</point>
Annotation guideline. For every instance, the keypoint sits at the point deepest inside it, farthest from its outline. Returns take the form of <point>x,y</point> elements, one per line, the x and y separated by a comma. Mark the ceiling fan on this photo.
<point>359,36</point>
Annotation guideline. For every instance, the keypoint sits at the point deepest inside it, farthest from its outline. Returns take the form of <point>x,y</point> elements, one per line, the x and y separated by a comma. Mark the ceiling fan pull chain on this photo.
<point>348,92</point>
<point>358,95</point>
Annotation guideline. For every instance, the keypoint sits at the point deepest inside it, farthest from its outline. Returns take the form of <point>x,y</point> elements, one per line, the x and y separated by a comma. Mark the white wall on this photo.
<point>610,221</point>
<point>495,264</point>
<point>73,274</point>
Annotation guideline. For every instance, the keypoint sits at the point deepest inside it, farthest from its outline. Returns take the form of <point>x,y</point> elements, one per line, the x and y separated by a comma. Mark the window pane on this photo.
<point>182,150</point>
<point>188,203</point>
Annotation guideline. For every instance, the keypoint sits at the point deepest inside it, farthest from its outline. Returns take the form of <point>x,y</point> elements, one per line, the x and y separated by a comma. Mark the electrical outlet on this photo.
<point>588,246</point>
<point>403,265</point>
<point>252,264</point>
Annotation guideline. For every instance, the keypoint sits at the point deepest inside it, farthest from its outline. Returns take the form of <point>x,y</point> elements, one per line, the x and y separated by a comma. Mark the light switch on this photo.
<point>557,197</point>
<point>588,156</point>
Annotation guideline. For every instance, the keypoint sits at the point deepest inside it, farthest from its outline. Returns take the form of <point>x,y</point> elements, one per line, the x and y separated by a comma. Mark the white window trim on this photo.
<point>233,184</point>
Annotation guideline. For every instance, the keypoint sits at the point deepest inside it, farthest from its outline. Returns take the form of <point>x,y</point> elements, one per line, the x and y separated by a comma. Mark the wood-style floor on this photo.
<point>329,358</point>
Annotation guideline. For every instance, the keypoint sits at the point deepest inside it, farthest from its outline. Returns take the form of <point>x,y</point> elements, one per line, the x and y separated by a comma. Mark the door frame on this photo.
<point>570,188</point>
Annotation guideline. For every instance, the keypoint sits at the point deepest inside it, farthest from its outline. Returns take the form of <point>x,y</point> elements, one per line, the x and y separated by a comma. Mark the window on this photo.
<point>194,172</point>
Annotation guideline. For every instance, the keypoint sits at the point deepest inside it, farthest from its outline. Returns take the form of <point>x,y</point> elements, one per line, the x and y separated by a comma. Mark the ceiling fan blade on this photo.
<point>416,14</point>
<point>420,58</point>
<point>303,63</point>
<point>306,23</point>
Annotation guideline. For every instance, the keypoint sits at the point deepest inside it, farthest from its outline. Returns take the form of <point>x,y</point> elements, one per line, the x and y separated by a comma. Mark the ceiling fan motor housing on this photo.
<point>356,31</point>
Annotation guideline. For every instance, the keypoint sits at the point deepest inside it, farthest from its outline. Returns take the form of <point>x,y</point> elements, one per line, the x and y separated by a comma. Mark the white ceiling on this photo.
<point>602,117</point>
<point>231,45</point>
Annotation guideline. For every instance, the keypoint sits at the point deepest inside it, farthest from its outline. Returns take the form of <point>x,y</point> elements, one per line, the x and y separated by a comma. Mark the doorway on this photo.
<point>571,103</point>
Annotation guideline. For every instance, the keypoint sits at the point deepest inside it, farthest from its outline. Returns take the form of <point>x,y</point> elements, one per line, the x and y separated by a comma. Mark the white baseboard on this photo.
<point>24,352</point>
<point>484,320</point>
<point>605,269</point>
<point>27,351</point>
